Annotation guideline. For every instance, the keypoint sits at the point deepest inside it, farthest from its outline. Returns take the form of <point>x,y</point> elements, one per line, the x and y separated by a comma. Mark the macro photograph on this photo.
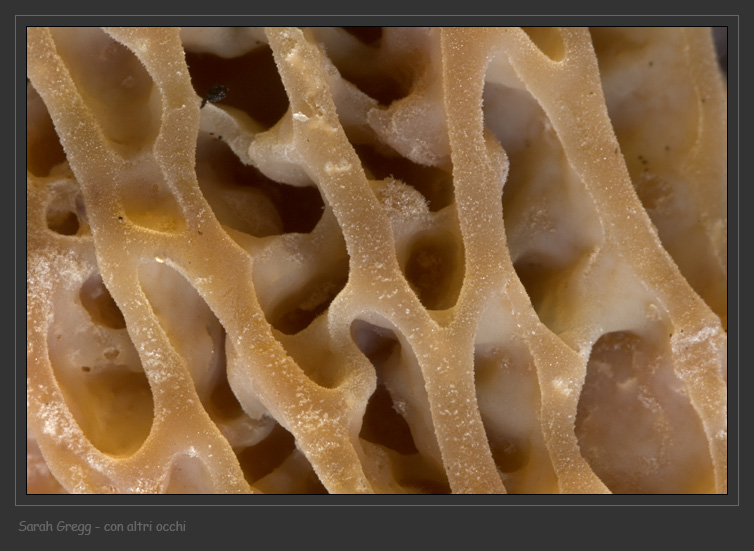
<point>376,260</point>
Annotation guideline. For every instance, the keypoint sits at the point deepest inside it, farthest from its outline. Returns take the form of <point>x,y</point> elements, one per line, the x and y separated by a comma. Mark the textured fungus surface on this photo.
<point>364,260</point>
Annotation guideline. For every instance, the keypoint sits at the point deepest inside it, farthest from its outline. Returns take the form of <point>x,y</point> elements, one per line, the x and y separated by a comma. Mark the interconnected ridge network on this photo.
<point>376,260</point>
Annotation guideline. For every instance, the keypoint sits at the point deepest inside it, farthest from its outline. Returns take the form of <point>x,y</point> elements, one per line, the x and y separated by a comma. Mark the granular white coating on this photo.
<point>447,260</point>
